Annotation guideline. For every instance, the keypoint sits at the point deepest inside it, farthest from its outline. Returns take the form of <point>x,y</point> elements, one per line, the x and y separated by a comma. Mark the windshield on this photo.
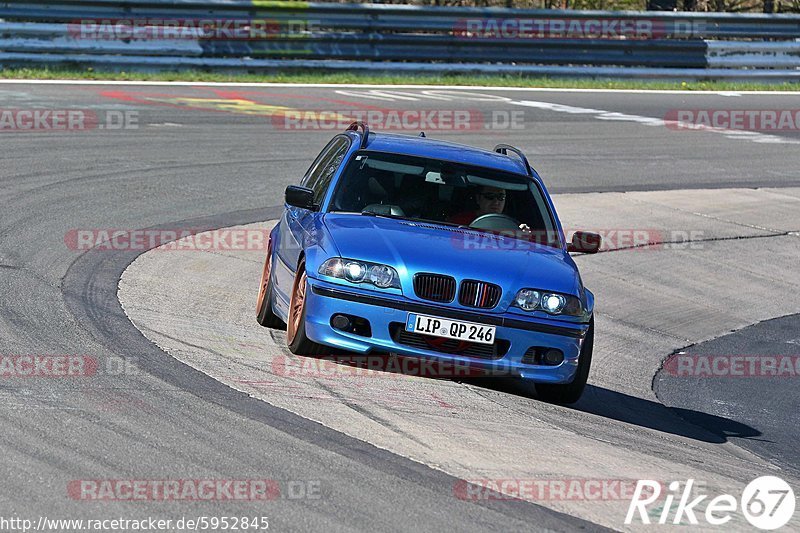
<point>432,190</point>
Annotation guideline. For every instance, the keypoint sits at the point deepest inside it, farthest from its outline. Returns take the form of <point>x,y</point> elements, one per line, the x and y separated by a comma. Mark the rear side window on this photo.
<point>323,169</point>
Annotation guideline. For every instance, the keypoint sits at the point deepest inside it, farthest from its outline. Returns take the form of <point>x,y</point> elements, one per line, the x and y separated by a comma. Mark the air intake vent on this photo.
<point>479,294</point>
<point>444,227</point>
<point>435,287</point>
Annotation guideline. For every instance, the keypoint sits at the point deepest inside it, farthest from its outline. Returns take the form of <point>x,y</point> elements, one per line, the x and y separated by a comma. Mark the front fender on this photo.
<point>589,303</point>
<point>318,246</point>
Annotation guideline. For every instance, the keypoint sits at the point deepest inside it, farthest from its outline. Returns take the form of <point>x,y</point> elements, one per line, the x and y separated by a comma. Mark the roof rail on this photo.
<point>354,127</point>
<point>505,148</point>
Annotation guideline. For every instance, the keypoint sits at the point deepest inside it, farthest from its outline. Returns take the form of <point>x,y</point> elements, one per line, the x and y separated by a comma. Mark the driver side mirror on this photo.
<point>585,242</point>
<point>299,196</point>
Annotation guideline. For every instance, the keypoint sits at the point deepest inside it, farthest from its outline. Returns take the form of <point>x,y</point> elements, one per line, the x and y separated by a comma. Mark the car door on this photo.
<point>297,222</point>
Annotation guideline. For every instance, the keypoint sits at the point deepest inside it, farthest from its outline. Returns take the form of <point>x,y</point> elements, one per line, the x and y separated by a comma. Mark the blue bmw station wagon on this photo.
<point>398,244</point>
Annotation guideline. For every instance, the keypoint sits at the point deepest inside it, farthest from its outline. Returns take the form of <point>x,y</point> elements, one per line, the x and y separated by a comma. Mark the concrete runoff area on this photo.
<point>652,300</point>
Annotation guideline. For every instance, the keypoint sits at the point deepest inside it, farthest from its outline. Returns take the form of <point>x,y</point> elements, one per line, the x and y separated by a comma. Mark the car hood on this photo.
<point>412,247</point>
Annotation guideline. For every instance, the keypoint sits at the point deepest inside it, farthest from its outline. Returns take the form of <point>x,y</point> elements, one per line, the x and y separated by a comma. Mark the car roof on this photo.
<point>448,151</point>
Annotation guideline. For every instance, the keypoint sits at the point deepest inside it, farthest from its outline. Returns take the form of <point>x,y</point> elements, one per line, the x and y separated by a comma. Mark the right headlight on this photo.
<point>354,271</point>
<point>550,302</point>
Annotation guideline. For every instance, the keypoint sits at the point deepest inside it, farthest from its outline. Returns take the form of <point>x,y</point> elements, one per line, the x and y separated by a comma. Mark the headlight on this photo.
<point>549,302</point>
<point>553,303</point>
<point>528,299</point>
<point>354,271</point>
<point>382,276</point>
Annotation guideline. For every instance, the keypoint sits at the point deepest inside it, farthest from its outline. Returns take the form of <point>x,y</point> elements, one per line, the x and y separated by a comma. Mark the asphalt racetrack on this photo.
<point>185,387</point>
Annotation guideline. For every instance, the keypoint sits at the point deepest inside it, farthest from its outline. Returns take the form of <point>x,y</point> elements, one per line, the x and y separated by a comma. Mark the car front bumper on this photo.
<point>387,313</point>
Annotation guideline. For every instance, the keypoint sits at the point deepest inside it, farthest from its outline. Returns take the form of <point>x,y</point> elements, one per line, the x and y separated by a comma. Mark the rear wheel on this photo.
<point>264,314</point>
<point>296,337</point>
<point>571,392</point>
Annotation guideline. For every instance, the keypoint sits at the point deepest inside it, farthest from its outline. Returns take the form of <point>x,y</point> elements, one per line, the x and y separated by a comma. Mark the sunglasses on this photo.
<point>492,196</point>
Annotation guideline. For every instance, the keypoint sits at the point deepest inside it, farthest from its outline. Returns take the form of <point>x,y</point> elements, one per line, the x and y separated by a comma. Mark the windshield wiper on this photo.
<point>385,215</point>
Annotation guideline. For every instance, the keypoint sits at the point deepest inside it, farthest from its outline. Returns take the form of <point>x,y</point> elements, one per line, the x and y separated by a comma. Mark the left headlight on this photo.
<point>549,302</point>
<point>354,271</point>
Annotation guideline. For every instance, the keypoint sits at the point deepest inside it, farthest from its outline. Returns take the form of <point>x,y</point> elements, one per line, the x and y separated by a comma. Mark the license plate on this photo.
<point>450,329</point>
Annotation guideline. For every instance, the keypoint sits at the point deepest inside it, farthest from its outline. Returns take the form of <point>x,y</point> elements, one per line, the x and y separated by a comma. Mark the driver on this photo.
<point>489,200</point>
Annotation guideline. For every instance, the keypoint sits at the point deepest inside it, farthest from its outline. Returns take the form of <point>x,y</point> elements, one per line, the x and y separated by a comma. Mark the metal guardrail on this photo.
<point>56,38</point>
<point>383,36</point>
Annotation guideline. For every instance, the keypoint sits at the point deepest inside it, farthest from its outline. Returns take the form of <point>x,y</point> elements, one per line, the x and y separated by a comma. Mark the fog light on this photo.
<point>553,357</point>
<point>340,322</point>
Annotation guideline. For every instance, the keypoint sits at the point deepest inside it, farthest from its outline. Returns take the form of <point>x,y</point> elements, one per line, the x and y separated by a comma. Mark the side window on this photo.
<point>319,164</point>
<point>327,167</point>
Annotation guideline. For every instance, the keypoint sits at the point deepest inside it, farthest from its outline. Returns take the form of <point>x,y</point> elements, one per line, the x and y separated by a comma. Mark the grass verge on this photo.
<point>504,80</point>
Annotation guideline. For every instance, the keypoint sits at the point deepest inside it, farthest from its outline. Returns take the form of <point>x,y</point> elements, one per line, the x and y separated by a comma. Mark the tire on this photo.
<point>264,314</point>
<point>571,392</point>
<point>296,339</point>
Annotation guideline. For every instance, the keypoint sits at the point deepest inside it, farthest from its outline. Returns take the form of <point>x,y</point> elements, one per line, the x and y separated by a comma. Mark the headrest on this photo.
<point>376,189</point>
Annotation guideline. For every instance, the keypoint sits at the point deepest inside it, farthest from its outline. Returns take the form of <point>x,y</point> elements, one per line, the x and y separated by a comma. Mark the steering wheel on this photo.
<point>495,222</point>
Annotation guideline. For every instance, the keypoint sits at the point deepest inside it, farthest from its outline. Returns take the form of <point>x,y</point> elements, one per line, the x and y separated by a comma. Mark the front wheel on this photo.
<point>296,338</point>
<point>571,392</point>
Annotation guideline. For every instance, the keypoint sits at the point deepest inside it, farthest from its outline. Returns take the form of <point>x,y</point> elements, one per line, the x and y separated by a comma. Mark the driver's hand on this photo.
<point>525,228</point>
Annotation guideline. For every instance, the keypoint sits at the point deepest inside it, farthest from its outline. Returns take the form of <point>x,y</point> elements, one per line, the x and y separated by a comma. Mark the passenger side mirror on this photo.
<point>585,242</point>
<point>299,196</point>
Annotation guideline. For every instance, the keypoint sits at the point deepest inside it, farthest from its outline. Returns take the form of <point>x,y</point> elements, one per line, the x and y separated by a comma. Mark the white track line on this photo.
<point>600,114</point>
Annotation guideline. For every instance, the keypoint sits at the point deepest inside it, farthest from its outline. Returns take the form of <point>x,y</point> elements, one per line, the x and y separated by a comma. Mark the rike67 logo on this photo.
<point>767,502</point>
